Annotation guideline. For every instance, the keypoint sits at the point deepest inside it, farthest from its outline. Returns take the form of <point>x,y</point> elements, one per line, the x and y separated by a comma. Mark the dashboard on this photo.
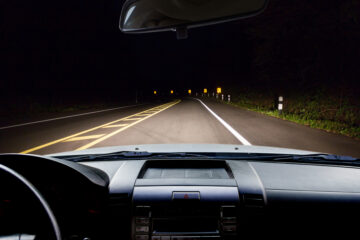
<point>195,199</point>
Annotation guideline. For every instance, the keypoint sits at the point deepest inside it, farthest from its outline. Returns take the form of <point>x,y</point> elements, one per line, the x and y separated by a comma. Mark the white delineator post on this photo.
<point>222,97</point>
<point>229,98</point>
<point>281,104</point>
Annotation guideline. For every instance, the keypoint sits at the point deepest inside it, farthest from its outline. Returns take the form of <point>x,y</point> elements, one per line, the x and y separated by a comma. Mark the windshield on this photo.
<point>287,78</point>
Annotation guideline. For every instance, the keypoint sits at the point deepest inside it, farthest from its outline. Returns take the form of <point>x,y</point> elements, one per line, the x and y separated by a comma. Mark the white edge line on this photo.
<point>71,116</point>
<point>227,126</point>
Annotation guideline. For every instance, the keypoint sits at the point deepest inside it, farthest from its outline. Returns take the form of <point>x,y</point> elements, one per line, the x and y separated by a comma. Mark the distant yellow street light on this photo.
<point>189,91</point>
<point>218,90</point>
<point>155,92</point>
<point>205,90</point>
<point>172,92</point>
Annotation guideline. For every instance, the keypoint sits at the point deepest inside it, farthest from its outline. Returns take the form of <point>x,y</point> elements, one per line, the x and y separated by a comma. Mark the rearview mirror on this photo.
<point>141,16</point>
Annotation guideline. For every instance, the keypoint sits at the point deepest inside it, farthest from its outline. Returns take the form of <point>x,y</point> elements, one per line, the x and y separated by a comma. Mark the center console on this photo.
<point>175,202</point>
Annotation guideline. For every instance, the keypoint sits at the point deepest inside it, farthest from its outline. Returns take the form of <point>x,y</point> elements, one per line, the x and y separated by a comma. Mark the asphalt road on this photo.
<point>185,121</point>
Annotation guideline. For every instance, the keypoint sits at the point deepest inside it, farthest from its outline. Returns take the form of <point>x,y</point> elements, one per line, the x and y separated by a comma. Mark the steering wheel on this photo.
<point>17,197</point>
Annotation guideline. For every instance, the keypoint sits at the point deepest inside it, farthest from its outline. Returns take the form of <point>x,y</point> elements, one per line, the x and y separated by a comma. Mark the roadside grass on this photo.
<point>315,114</point>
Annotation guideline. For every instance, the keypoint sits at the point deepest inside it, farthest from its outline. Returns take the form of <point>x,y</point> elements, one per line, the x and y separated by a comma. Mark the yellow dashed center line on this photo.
<point>84,138</point>
<point>149,113</point>
<point>116,126</point>
<point>166,106</point>
<point>143,115</point>
<point>134,117</point>
<point>131,119</point>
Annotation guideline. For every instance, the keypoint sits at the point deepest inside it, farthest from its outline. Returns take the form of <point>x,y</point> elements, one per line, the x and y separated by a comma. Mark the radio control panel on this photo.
<point>179,213</point>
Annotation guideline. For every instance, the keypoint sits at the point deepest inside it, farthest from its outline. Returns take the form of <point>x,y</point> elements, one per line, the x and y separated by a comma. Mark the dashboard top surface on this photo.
<point>249,176</point>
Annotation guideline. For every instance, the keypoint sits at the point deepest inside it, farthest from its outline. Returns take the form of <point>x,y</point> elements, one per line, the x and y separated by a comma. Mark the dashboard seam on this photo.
<point>310,191</point>
<point>116,173</point>
<point>260,182</point>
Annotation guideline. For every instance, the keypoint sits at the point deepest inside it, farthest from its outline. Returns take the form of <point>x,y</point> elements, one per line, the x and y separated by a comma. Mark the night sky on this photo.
<point>72,51</point>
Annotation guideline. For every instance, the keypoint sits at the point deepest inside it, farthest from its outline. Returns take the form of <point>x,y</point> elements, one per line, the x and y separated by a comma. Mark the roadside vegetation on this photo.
<point>334,114</point>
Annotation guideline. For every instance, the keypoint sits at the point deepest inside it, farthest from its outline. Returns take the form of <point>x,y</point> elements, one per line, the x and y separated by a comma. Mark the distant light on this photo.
<point>155,92</point>
<point>189,91</point>
<point>172,92</point>
<point>218,90</point>
<point>205,90</point>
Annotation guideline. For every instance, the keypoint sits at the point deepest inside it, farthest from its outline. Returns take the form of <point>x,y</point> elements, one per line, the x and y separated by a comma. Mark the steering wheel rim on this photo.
<point>37,194</point>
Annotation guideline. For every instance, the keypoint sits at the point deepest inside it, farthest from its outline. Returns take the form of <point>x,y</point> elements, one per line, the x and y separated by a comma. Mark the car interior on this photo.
<point>184,199</point>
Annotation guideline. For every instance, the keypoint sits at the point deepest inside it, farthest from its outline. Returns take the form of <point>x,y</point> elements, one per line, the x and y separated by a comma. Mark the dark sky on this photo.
<point>52,49</point>
<point>80,40</point>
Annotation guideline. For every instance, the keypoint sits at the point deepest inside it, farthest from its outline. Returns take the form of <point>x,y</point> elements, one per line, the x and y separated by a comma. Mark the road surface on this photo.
<point>187,120</point>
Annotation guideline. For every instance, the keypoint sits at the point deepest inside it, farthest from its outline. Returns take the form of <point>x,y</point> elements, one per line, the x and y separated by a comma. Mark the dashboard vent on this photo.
<point>182,173</point>
<point>253,200</point>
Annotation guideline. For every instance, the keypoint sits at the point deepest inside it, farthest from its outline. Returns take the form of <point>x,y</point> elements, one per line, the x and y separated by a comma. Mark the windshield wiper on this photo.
<point>321,159</point>
<point>131,155</point>
<point>136,155</point>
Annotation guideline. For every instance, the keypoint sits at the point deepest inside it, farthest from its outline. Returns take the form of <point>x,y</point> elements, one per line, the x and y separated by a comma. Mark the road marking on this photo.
<point>227,126</point>
<point>83,132</point>
<point>84,138</point>
<point>71,116</point>
<point>116,126</point>
<point>124,128</point>
<point>132,119</point>
<point>144,114</point>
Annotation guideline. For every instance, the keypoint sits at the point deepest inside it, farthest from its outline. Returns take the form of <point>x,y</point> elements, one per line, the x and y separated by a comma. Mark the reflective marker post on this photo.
<point>228,98</point>
<point>280,105</point>
<point>222,97</point>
